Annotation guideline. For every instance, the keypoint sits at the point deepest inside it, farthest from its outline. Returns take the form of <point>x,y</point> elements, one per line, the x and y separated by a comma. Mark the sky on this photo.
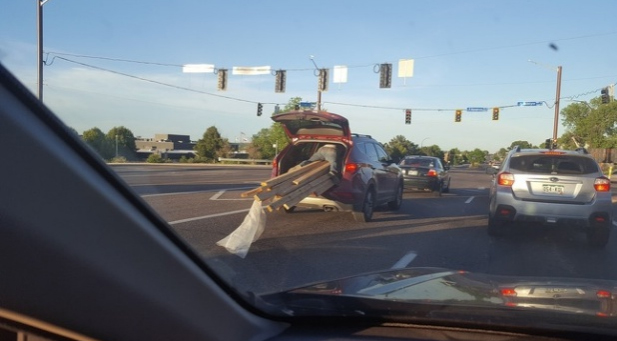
<point>119,63</point>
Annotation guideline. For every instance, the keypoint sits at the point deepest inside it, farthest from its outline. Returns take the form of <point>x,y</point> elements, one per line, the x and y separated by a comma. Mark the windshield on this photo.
<point>178,99</point>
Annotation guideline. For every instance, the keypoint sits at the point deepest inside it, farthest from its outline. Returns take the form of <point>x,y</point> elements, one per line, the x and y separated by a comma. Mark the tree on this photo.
<point>522,144</point>
<point>211,145</point>
<point>477,156</point>
<point>400,146</point>
<point>433,150</point>
<point>593,124</point>
<point>454,156</point>
<point>97,140</point>
<point>123,142</point>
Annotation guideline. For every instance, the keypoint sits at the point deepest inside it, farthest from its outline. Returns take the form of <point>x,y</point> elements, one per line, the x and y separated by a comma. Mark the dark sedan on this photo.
<point>426,173</point>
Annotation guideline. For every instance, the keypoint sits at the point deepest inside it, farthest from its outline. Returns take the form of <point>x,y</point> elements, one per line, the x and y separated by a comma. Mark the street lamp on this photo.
<point>422,142</point>
<point>39,26</point>
<point>116,145</point>
<point>557,95</point>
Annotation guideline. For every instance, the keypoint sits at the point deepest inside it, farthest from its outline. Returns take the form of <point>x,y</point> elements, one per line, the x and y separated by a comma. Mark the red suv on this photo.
<point>368,176</point>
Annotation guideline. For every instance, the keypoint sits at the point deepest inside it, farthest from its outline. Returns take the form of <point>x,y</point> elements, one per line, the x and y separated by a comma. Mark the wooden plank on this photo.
<point>317,190</point>
<point>291,174</point>
<point>251,192</point>
<point>312,175</point>
<point>293,197</point>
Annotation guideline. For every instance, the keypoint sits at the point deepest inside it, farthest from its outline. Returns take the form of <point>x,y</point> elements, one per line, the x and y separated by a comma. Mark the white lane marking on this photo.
<point>217,195</point>
<point>404,262</point>
<point>194,192</point>
<point>207,216</point>
<point>469,200</point>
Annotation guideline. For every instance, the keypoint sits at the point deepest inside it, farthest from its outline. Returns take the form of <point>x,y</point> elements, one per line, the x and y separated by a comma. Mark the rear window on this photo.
<point>553,164</point>
<point>418,162</point>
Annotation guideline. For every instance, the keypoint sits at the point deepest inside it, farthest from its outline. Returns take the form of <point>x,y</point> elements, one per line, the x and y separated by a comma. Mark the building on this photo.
<point>172,146</point>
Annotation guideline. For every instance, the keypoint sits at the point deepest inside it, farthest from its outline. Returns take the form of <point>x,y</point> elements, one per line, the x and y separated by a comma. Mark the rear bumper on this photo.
<point>421,183</point>
<point>598,211</point>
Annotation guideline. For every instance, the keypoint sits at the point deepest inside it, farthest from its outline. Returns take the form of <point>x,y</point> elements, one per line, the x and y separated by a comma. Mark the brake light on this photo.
<point>351,168</point>
<point>505,179</point>
<point>431,172</point>
<point>552,152</point>
<point>603,294</point>
<point>508,292</point>
<point>602,184</point>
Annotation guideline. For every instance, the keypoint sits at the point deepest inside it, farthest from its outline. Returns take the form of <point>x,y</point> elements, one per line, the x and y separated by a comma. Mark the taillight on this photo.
<point>603,294</point>
<point>351,167</point>
<point>431,172</point>
<point>602,184</point>
<point>505,179</point>
<point>510,292</point>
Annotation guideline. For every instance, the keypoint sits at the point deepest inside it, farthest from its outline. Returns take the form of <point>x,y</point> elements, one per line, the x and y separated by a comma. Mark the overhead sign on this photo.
<point>529,104</point>
<point>198,68</point>
<point>340,74</point>
<point>308,104</point>
<point>477,109</point>
<point>250,70</point>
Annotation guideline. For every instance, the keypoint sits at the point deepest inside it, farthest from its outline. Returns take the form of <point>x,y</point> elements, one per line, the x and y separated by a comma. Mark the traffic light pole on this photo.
<point>557,95</point>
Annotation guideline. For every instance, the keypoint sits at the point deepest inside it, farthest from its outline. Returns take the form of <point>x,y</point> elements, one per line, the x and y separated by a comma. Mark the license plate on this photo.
<point>552,189</point>
<point>412,172</point>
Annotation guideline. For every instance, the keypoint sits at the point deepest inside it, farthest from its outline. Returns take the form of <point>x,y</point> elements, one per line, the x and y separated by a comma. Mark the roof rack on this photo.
<point>516,148</point>
<point>581,150</point>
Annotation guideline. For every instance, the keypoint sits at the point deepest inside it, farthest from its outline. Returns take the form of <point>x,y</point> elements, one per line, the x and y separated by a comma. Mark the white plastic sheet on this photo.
<point>239,241</point>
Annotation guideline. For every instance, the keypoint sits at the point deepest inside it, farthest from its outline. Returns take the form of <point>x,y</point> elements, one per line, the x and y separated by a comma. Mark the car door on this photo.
<point>384,175</point>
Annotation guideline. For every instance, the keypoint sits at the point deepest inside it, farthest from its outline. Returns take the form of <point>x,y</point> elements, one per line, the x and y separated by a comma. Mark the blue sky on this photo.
<point>466,53</point>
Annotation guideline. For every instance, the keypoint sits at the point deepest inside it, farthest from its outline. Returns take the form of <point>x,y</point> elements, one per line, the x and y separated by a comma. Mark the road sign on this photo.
<point>529,104</point>
<point>477,109</point>
<point>308,104</point>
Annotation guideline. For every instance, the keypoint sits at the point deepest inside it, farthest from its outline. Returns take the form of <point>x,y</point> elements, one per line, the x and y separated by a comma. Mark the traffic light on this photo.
<point>408,116</point>
<point>222,79</point>
<point>605,96</point>
<point>385,76</point>
<point>457,116</point>
<point>495,114</point>
<point>259,109</point>
<point>281,80</point>
<point>323,80</point>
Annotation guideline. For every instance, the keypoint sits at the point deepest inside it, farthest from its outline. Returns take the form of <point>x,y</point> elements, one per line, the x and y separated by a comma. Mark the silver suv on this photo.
<point>555,187</point>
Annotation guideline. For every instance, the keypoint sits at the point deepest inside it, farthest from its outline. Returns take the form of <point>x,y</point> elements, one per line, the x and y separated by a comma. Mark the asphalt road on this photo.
<point>203,205</point>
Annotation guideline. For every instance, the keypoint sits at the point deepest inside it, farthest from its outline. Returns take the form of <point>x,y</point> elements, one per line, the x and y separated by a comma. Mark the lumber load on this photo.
<point>287,190</point>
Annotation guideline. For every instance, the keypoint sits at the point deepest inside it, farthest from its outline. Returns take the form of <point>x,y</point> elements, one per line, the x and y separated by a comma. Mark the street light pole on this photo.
<point>557,96</point>
<point>422,142</point>
<point>39,26</point>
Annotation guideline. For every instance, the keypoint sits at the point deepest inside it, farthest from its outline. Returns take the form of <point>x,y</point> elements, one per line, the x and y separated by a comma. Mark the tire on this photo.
<point>395,204</point>
<point>495,228</point>
<point>597,236</point>
<point>365,212</point>
<point>439,189</point>
<point>446,189</point>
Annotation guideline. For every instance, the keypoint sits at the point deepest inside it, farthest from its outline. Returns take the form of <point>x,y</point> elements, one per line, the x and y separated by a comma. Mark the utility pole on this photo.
<point>557,96</point>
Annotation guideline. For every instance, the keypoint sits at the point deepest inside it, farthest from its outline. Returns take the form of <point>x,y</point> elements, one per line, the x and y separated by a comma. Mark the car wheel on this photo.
<point>365,212</point>
<point>398,200</point>
<point>439,189</point>
<point>446,189</point>
<point>597,236</point>
<point>495,228</point>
